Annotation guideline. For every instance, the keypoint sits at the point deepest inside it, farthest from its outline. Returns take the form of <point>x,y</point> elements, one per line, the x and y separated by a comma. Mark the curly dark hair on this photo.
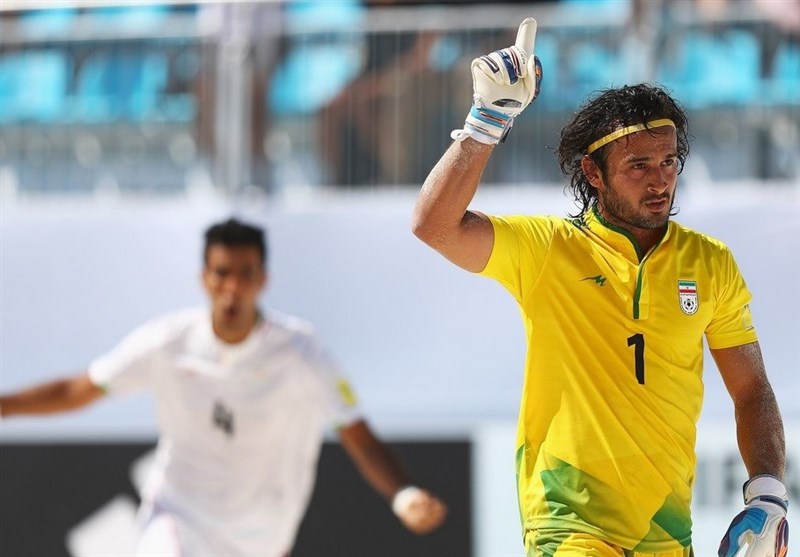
<point>610,110</point>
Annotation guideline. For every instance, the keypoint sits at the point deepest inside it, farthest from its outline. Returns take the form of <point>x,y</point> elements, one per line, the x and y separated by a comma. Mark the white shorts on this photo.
<point>165,534</point>
<point>160,535</point>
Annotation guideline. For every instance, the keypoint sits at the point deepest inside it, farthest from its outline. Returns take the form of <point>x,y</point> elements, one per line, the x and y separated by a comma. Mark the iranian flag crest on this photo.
<point>687,291</point>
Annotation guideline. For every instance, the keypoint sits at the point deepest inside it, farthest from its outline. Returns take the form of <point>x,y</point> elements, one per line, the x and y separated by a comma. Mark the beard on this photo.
<point>617,209</point>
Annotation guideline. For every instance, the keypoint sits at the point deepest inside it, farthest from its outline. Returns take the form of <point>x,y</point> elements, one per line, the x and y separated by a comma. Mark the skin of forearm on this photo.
<point>380,468</point>
<point>760,434</point>
<point>61,395</point>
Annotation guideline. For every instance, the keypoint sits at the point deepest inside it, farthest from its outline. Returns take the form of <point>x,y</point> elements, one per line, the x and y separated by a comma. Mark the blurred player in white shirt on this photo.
<point>243,399</point>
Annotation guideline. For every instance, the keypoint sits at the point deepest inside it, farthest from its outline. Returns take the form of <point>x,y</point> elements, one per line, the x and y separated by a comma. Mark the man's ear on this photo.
<point>591,171</point>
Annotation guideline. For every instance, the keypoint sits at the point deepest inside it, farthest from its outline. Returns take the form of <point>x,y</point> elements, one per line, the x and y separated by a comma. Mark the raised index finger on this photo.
<point>526,35</point>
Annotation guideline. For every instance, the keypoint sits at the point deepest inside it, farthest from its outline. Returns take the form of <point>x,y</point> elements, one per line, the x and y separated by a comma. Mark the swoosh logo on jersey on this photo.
<point>598,279</point>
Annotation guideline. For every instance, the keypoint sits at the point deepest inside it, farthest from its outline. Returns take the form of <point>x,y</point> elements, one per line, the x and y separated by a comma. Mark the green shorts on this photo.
<point>573,544</point>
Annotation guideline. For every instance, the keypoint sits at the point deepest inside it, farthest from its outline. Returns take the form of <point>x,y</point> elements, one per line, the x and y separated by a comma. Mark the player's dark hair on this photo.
<point>613,109</point>
<point>235,233</point>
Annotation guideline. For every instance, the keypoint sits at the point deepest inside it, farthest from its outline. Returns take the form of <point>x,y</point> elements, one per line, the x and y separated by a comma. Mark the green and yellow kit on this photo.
<point>613,374</point>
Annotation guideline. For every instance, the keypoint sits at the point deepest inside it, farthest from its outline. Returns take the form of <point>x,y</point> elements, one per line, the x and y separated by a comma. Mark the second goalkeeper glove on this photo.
<point>760,530</point>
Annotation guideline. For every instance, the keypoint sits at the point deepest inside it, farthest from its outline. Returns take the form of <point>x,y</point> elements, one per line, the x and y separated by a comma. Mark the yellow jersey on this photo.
<point>613,373</point>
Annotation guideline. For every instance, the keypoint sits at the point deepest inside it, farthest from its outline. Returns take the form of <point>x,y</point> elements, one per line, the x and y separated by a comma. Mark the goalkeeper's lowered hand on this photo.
<point>760,530</point>
<point>504,83</point>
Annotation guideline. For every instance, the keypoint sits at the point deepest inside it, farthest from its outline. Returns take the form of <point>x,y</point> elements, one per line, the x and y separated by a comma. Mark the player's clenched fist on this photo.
<point>504,83</point>
<point>418,510</point>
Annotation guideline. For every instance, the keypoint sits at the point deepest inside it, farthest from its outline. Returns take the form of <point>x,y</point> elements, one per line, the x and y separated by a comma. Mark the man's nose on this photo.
<point>658,179</point>
<point>232,283</point>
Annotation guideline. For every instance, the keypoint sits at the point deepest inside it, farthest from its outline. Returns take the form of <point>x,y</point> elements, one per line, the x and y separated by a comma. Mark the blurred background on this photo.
<point>126,128</point>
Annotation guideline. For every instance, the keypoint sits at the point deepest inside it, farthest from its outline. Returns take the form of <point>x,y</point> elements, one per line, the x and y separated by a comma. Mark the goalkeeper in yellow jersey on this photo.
<point>615,302</point>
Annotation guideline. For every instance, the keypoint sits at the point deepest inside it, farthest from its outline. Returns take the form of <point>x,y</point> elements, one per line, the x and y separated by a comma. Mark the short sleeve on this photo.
<point>338,397</point>
<point>732,324</point>
<point>519,251</point>
<point>127,367</point>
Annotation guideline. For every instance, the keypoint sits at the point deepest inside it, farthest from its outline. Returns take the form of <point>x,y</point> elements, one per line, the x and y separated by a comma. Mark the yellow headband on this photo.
<point>626,131</point>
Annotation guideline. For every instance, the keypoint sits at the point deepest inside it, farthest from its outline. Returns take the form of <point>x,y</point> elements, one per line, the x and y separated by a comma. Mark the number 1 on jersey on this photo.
<point>637,341</point>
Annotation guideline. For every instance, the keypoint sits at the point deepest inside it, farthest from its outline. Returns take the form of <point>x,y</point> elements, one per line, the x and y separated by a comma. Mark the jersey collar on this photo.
<point>618,239</point>
<point>243,347</point>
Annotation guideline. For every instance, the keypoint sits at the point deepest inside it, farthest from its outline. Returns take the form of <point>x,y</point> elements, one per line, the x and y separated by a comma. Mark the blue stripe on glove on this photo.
<point>513,69</point>
<point>764,538</point>
<point>751,519</point>
<point>489,116</point>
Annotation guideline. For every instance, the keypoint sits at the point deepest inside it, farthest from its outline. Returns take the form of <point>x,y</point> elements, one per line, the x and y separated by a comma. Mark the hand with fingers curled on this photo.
<point>504,83</point>
<point>418,510</point>
<point>761,529</point>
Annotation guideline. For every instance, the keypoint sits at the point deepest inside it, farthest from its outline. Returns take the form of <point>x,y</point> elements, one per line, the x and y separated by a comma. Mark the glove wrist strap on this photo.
<point>485,125</point>
<point>474,133</point>
<point>765,487</point>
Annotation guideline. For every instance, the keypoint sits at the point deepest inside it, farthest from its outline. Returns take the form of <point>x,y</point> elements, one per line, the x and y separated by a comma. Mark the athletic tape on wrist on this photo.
<point>403,498</point>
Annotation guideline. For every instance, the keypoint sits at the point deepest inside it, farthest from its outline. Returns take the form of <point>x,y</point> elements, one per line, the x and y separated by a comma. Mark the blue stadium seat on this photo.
<point>783,85</point>
<point>332,67</point>
<point>590,66</point>
<point>445,52</point>
<point>333,62</point>
<point>42,24</point>
<point>577,10</point>
<point>550,95</point>
<point>120,85</point>
<point>33,86</point>
<point>711,70</point>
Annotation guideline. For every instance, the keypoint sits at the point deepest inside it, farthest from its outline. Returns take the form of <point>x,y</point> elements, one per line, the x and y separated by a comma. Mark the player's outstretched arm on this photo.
<point>761,529</point>
<point>56,396</point>
<point>504,83</point>
<point>418,510</point>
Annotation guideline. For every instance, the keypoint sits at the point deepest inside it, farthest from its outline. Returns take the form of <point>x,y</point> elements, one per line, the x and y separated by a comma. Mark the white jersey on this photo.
<point>241,426</point>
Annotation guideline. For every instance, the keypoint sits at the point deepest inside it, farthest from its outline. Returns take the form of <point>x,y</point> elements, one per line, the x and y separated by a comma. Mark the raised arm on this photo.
<point>441,218</point>
<point>759,431</point>
<point>416,508</point>
<point>61,395</point>
<point>504,83</point>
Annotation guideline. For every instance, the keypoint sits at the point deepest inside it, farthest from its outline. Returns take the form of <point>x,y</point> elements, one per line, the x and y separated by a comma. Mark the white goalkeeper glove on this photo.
<point>760,530</point>
<point>504,83</point>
